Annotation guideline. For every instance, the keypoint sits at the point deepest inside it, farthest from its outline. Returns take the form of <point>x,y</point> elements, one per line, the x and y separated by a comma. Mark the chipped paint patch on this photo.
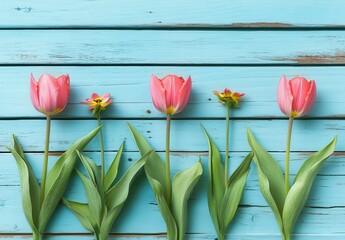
<point>262,24</point>
<point>338,57</point>
<point>24,9</point>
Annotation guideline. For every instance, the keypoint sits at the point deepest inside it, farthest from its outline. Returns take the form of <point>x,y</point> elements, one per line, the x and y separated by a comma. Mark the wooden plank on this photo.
<point>327,183</point>
<point>179,13</point>
<point>188,236</point>
<point>186,135</point>
<point>124,83</point>
<point>249,219</point>
<point>171,47</point>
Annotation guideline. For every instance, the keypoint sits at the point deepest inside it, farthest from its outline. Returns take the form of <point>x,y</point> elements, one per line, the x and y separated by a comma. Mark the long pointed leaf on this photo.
<point>91,169</point>
<point>116,197</point>
<point>271,178</point>
<point>154,166</point>
<point>155,173</point>
<point>29,186</point>
<point>234,192</point>
<point>119,192</point>
<point>182,186</point>
<point>93,198</point>
<point>111,174</point>
<point>299,191</point>
<point>58,177</point>
<point>216,187</point>
<point>82,212</point>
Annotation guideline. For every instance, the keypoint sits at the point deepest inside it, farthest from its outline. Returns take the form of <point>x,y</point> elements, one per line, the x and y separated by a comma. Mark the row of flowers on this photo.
<point>106,196</point>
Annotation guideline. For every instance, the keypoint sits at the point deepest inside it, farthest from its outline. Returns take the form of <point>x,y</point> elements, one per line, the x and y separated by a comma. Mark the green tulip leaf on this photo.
<point>216,188</point>
<point>93,197</point>
<point>182,186</point>
<point>155,173</point>
<point>91,169</point>
<point>154,166</point>
<point>58,178</point>
<point>271,178</point>
<point>118,194</point>
<point>234,191</point>
<point>29,186</point>
<point>111,174</point>
<point>300,189</point>
<point>115,198</point>
<point>82,212</point>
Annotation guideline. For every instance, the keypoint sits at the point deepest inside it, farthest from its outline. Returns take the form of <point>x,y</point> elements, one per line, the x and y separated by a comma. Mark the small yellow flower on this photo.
<point>98,103</point>
<point>231,99</point>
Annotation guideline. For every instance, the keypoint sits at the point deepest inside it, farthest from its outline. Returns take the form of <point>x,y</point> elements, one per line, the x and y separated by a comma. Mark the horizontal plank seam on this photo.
<point>183,27</point>
<point>335,118</point>
<point>172,64</point>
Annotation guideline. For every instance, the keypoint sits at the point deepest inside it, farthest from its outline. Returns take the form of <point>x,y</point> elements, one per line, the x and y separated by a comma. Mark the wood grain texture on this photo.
<point>186,135</point>
<point>171,47</point>
<point>179,13</point>
<point>124,83</point>
<point>321,211</point>
<point>115,46</point>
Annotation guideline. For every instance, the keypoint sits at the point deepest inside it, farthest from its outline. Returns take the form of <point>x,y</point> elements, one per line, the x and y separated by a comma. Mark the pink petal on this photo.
<point>48,92</point>
<point>309,98</point>
<point>172,85</point>
<point>299,89</point>
<point>158,94</point>
<point>94,96</point>
<point>184,94</point>
<point>285,97</point>
<point>34,93</point>
<point>105,97</point>
<point>64,85</point>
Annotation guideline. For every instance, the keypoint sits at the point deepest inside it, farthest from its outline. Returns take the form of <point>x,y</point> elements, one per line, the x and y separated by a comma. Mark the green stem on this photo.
<point>227,146</point>
<point>102,148</point>
<point>288,237</point>
<point>167,159</point>
<point>287,157</point>
<point>221,237</point>
<point>45,161</point>
<point>36,236</point>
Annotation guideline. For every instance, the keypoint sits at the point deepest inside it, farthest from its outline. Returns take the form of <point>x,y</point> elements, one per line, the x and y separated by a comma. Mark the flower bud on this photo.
<point>296,96</point>
<point>49,95</point>
<point>170,95</point>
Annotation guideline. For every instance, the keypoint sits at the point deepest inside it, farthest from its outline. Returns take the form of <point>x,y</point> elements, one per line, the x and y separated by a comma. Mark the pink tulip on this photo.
<point>296,96</point>
<point>170,95</point>
<point>49,95</point>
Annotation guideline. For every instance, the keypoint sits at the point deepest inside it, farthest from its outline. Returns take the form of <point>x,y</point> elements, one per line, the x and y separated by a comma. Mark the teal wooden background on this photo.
<point>115,46</point>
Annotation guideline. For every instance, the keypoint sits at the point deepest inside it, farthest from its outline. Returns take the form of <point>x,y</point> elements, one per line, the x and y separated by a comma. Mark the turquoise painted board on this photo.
<point>178,13</point>
<point>115,47</point>
<point>167,47</point>
<point>259,84</point>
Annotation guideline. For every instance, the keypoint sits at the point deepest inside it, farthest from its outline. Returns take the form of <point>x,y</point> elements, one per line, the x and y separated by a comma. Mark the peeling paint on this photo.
<point>236,25</point>
<point>24,9</point>
<point>262,24</point>
<point>338,57</point>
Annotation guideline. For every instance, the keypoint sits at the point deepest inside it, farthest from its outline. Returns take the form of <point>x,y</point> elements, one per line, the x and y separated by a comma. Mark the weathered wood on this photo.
<point>129,88</point>
<point>327,183</point>
<point>179,13</point>
<point>171,47</point>
<point>188,236</point>
<point>186,135</point>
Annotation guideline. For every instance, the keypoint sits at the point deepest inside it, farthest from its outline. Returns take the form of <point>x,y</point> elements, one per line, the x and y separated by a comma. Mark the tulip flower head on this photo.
<point>231,99</point>
<point>49,95</point>
<point>170,95</point>
<point>97,103</point>
<point>296,96</point>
